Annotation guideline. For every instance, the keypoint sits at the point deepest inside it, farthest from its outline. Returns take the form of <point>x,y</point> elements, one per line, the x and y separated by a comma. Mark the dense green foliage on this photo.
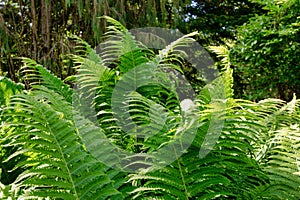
<point>138,141</point>
<point>266,53</point>
<point>256,156</point>
<point>265,35</point>
<point>7,89</point>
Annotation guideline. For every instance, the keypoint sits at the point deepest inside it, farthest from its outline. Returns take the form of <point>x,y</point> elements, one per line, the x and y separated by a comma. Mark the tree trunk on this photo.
<point>45,27</point>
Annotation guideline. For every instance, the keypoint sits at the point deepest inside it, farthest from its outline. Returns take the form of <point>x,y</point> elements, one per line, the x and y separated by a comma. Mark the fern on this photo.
<point>218,147</point>
<point>278,149</point>
<point>227,167</point>
<point>60,166</point>
<point>36,74</point>
<point>7,89</point>
<point>231,169</point>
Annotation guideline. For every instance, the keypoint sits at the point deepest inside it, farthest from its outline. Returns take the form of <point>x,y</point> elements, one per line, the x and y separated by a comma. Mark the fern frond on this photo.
<point>190,177</point>
<point>36,74</point>
<point>121,48</point>
<point>58,166</point>
<point>282,161</point>
<point>7,90</point>
<point>223,52</point>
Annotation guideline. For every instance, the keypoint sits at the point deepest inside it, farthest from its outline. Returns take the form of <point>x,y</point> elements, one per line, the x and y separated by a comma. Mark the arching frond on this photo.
<point>223,52</point>
<point>37,74</point>
<point>58,165</point>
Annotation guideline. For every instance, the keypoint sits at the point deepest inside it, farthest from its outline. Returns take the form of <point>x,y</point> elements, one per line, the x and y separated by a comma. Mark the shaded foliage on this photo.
<point>266,53</point>
<point>39,29</point>
<point>217,20</point>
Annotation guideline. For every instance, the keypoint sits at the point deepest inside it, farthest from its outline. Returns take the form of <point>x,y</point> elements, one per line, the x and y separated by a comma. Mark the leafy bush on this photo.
<point>266,53</point>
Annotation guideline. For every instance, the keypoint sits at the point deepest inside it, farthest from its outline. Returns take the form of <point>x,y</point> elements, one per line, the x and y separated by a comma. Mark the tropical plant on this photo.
<point>251,152</point>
